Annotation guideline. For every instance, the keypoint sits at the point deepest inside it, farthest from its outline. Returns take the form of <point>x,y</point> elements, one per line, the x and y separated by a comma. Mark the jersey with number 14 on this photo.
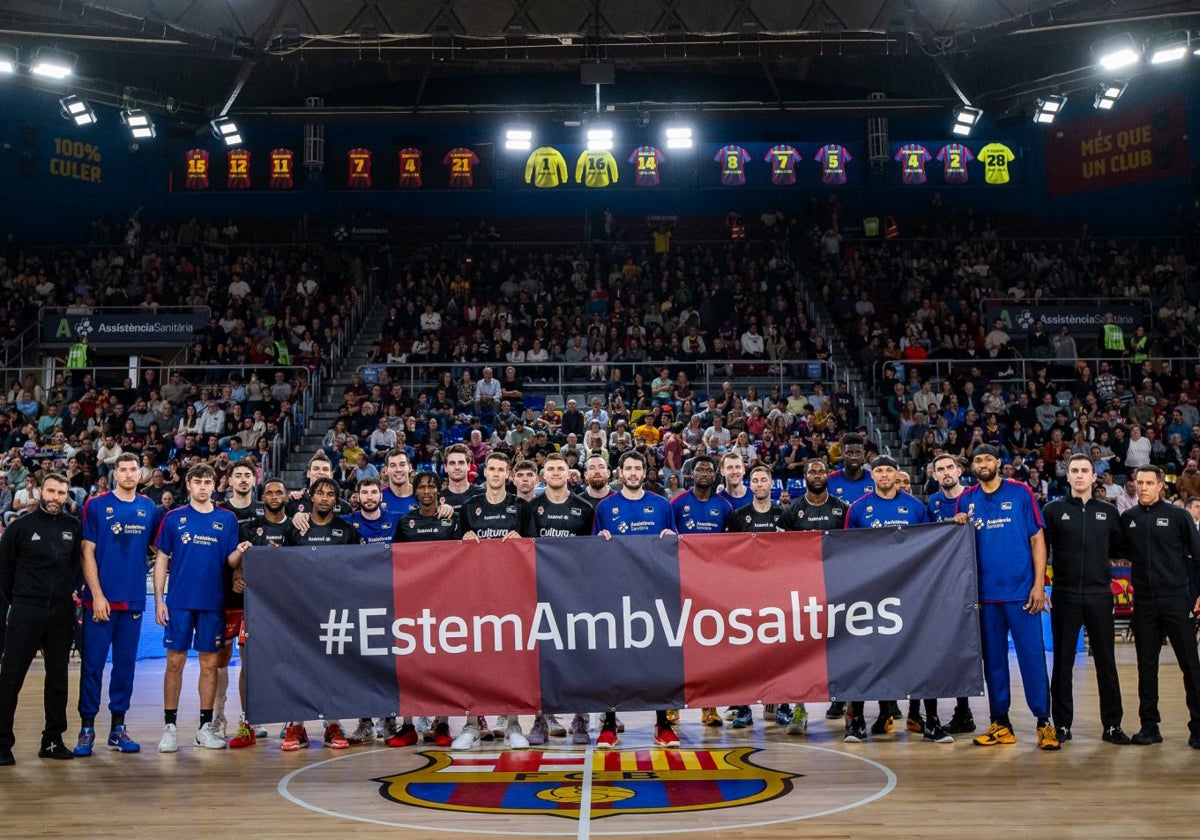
<point>647,160</point>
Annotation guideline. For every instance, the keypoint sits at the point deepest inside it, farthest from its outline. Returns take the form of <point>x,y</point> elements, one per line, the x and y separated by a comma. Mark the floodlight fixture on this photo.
<point>77,110</point>
<point>139,124</point>
<point>679,137</point>
<point>599,139</point>
<point>965,118</point>
<point>8,59</point>
<point>1048,108</point>
<point>1168,47</point>
<point>1117,52</point>
<point>518,139</point>
<point>1107,95</point>
<point>52,63</point>
<point>227,131</point>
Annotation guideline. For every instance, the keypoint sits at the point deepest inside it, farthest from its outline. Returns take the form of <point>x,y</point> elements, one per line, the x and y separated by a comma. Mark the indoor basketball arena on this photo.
<point>822,377</point>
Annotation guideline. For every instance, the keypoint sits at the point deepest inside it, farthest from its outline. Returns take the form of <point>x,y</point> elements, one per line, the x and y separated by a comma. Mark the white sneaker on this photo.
<point>364,733</point>
<point>500,730</point>
<point>514,737</point>
<point>170,739</point>
<point>554,727</point>
<point>219,725</point>
<point>207,738</point>
<point>260,732</point>
<point>469,737</point>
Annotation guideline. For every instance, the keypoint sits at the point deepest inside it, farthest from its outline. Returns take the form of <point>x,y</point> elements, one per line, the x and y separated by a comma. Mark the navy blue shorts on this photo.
<point>202,630</point>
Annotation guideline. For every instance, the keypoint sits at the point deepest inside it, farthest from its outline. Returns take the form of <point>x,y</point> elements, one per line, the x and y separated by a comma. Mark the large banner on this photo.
<point>566,625</point>
<point>1077,313</point>
<point>1128,145</point>
<point>123,329</point>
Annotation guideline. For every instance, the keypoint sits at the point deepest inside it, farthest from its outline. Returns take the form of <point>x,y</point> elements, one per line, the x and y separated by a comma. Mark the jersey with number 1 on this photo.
<point>833,159</point>
<point>647,160</point>
<point>733,160</point>
<point>913,157</point>
<point>783,160</point>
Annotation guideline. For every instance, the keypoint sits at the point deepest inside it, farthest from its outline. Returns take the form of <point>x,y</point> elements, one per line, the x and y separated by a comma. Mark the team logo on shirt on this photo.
<point>1162,523</point>
<point>115,528</point>
<point>185,538</point>
<point>623,783</point>
<point>1101,516</point>
<point>1006,506</point>
<point>217,526</point>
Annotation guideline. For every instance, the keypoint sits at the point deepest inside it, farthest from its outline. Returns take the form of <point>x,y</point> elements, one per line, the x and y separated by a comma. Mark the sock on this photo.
<point>206,716</point>
<point>610,721</point>
<point>857,707</point>
<point>87,723</point>
<point>931,713</point>
<point>660,718</point>
<point>222,691</point>
<point>118,719</point>
<point>1004,721</point>
<point>914,708</point>
<point>962,706</point>
<point>170,715</point>
<point>1042,721</point>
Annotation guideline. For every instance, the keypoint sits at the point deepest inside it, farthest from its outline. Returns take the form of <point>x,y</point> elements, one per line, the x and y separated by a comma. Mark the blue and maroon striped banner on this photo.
<point>565,625</point>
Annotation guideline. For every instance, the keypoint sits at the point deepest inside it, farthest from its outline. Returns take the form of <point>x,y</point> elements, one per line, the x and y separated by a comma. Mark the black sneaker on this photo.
<point>835,711</point>
<point>961,723</point>
<point>938,734</point>
<point>856,731</point>
<point>1193,742</point>
<point>1148,734</point>
<point>56,750</point>
<point>1115,735</point>
<point>6,758</point>
<point>1064,733</point>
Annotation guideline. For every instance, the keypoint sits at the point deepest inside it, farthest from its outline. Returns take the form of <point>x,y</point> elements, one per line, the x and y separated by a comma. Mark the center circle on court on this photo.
<point>719,788</point>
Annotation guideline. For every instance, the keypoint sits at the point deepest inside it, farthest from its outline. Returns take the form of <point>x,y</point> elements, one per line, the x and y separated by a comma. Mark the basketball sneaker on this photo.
<point>1048,738</point>
<point>207,738</point>
<point>469,737</point>
<point>607,739</point>
<point>709,717</point>
<point>86,742</point>
<point>243,737</point>
<point>579,731</point>
<point>295,737</point>
<point>961,723</point>
<point>744,719</point>
<point>664,736</point>
<point>335,736</point>
<point>783,714</point>
<point>914,723</point>
<point>169,742</point>
<point>485,734</point>
<point>856,730</point>
<point>798,725</point>
<point>996,734</point>
<point>405,736</point>
<point>514,738</point>
<point>555,728</point>
<point>441,734</point>
<point>884,725</point>
<point>672,716</point>
<point>935,732</point>
<point>836,711</point>
<point>499,730</point>
<point>539,733</point>
<point>363,733</point>
<point>119,741</point>
<point>220,726</point>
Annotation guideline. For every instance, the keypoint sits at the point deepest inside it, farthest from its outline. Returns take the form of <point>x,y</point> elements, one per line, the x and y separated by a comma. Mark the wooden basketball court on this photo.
<point>723,783</point>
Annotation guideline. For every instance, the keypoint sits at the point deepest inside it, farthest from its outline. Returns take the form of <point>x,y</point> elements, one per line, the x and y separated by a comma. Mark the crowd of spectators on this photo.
<point>277,314</point>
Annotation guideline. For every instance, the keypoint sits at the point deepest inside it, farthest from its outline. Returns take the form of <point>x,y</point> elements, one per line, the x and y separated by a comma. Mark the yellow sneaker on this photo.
<point>709,717</point>
<point>672,716</point>
<point>998,734</point>
<point>1048,738</point>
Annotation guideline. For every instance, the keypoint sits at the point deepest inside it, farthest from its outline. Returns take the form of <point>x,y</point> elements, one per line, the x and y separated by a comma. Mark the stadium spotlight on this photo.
<point>518,139</point>
<point>965,118</point>
<point>599,139</point>
<point>1107,95</point>
<point>139,124</point>
<point>8,59</point>
<point>53,64</point>
<point>1168,47</point>
<point>226,130</point>
<point>679,137</point>
<point>77,110</point>
<point>1116,52</point>
<point>1049,108</point>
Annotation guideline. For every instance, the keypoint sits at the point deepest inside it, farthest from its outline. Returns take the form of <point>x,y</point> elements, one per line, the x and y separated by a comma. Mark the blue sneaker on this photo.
<point>744,719</point>
<point>783,715</point>
<point>119,741</point>
<point>87,740</point>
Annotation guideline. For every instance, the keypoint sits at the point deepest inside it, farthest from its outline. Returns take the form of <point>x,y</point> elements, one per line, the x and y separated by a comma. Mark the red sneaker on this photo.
<point>406,737</point>
<point>244,737</point>
<point>295,737</point>
<point>664,736</point>
<point>607,739</point>
<point>441,735</point>
<point>335,736</point>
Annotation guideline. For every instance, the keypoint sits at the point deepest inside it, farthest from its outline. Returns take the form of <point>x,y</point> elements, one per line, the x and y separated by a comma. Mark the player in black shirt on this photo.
<point>495,514</point>
<point>319,466</point>
<point>458,488</point>
<point>761,514</point>
<point>815,510</point>
<point>423,524</point>
<point>559,513</point>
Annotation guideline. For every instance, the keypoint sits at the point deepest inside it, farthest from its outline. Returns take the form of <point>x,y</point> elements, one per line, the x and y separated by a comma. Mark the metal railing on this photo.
<point>575,379</point>
<point>1059,371</point>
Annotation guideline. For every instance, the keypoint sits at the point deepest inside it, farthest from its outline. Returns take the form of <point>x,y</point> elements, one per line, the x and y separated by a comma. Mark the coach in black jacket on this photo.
<point>1083,533</point>
<point>1164,550</point>
<point>39,572</point>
